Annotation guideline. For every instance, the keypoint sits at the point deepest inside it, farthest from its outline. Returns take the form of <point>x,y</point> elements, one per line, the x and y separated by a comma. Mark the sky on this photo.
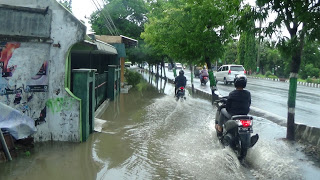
<point>84,8</point>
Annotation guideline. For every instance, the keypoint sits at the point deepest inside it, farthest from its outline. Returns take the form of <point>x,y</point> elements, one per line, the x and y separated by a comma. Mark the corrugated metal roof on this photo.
<point>106,48</point>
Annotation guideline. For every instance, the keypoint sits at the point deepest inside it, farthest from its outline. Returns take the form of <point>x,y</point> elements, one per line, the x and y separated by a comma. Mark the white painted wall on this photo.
<point>62,114</point>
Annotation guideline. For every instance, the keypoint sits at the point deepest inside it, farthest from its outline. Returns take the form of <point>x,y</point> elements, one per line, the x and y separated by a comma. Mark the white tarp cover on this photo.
<point>16,123</point>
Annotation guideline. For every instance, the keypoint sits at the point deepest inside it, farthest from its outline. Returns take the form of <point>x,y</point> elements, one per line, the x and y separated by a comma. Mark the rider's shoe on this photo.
<point>254,139</point>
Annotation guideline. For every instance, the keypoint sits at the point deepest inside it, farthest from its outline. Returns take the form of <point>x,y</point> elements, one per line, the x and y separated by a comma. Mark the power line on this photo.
<point>108,15</point>
<point>109,23</point>
<point>104,16</point>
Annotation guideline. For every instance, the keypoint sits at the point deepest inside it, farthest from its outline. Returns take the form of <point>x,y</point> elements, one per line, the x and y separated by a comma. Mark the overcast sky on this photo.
<point>84,8</point>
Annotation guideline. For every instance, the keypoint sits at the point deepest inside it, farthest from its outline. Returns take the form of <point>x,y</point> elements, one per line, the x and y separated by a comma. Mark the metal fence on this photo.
<point>101,88</point>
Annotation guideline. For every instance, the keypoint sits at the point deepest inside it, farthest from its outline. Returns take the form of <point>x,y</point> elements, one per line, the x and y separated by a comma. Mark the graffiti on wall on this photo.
<point>59,104</point>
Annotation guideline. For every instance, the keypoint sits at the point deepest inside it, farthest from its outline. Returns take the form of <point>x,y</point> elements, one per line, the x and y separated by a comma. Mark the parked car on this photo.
<point>227,73</point>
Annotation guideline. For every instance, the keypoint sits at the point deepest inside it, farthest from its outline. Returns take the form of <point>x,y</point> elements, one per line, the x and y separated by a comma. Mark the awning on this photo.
<point>106,48</point>
<point>96,47</point>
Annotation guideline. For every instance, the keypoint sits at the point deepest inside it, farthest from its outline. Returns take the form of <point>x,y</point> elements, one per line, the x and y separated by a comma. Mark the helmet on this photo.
<point>240,81</point>
<point>181,72</point>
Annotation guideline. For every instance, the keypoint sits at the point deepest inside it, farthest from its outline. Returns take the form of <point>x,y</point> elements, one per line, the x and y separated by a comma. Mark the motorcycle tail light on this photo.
<point>182,88</point>
<point>246,123</point>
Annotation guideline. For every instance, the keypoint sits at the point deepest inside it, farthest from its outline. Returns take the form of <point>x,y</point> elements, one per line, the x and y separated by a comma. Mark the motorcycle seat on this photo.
<point>235,117</point>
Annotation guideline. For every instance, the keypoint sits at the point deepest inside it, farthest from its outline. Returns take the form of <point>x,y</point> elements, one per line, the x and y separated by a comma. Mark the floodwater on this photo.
<point>149,135</point>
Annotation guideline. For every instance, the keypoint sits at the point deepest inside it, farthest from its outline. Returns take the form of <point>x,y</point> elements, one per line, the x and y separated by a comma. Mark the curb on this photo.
<point>299,83</point>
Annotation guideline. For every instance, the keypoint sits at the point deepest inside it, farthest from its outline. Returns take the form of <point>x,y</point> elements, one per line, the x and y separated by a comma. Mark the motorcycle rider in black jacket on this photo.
<point>238,103</point>
<point>180,81</point>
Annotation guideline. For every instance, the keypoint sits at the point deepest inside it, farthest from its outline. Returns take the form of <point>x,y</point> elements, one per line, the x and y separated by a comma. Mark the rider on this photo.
<point>203,73</point>
<point>238,103</point>
<point>180,80</point>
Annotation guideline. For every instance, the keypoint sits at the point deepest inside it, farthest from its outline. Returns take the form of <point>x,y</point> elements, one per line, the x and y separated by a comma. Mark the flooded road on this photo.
<point>148,135</point>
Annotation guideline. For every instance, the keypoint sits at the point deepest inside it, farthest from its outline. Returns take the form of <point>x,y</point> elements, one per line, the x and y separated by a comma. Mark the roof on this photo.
<point>129,42</point>
<point>95,47</point>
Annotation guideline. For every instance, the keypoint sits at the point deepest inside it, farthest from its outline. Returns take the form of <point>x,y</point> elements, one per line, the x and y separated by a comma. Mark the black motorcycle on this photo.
<point>204,80</point>
<point>236,131</point>
<point>180,95</point>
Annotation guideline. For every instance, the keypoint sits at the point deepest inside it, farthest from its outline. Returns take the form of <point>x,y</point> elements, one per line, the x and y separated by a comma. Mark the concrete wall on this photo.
<point>49,96</point>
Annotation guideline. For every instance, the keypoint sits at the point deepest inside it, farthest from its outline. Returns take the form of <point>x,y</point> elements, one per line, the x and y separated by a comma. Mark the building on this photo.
<point>53,76</point>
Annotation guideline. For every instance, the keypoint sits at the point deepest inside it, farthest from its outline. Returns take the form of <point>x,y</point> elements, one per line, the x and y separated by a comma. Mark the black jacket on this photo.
<point>180,80</point>
<point>239,102</point>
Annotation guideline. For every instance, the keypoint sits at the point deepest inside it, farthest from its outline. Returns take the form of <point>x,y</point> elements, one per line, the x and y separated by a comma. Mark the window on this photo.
<point>237,68</point>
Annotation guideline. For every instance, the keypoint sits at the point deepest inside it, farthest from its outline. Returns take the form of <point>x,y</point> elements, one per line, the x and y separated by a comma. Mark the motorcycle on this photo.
<point>236,131</point>
<point>180,95</point>
<point>204,80</point>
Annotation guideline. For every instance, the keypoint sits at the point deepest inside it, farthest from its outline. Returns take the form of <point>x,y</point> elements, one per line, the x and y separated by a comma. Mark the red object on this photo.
<point>245,72</point>
<point>205,77</point>
<point>229,72</point>
<point>245,123</point>
<point>181,88</point>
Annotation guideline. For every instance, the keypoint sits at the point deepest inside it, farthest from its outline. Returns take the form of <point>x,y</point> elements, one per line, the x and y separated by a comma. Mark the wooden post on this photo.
<point>5,147</point>
<point>122,62</point>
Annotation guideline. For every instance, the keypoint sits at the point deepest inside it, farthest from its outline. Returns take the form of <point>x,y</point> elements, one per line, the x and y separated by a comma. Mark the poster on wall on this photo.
<point>6,51</point>
<point>38,83</point>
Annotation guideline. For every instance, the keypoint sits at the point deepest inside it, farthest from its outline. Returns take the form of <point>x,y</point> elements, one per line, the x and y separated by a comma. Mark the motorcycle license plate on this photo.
<point>242,130</point>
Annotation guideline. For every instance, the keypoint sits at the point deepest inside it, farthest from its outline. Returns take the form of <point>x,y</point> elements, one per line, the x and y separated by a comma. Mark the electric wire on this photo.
<point>110,19</point>
<point>103,16</point>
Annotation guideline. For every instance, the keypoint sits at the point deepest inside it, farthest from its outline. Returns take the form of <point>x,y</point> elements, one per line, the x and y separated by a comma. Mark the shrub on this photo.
<point>309,80</point>
<point>272,76</point>
<point>311,71</point>
<point>132,77</point>
<point>268,73</point>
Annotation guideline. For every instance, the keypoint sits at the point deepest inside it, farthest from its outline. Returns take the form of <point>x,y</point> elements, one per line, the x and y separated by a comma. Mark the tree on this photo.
<point>189,30</point>
<point>242,49</point>
<point>230,52</point>
<point>301,19</point>
<point>128,17</point>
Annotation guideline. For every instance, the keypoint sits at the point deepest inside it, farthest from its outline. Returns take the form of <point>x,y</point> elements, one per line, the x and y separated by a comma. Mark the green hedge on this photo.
<point>132,77</point>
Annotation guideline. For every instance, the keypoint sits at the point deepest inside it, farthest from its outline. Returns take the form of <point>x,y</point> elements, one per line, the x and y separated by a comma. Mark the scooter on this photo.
<point>236,131</point>
<point>180,95</point>
<point>204,80</point>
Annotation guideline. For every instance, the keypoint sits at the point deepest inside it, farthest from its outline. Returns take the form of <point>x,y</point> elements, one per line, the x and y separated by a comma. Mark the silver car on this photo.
<point>227,73</point>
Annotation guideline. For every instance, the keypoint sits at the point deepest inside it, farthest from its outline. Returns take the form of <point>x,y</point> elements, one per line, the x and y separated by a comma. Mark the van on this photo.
<point>227,73</point>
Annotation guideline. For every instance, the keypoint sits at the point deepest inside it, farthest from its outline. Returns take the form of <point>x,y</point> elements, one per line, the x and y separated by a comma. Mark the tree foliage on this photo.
<point>128,17</point>
<point>189,30</point>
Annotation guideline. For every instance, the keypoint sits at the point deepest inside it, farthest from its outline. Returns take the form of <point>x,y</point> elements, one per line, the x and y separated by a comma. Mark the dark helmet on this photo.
<point>181,72</point>
<point>240,81</point>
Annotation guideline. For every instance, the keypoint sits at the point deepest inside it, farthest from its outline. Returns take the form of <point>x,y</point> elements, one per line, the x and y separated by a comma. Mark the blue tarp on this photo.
<point>16,123</point>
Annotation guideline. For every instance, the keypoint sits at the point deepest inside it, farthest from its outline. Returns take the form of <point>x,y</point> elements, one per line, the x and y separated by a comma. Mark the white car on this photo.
<point>178,66</point>
<point>227,73</point>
